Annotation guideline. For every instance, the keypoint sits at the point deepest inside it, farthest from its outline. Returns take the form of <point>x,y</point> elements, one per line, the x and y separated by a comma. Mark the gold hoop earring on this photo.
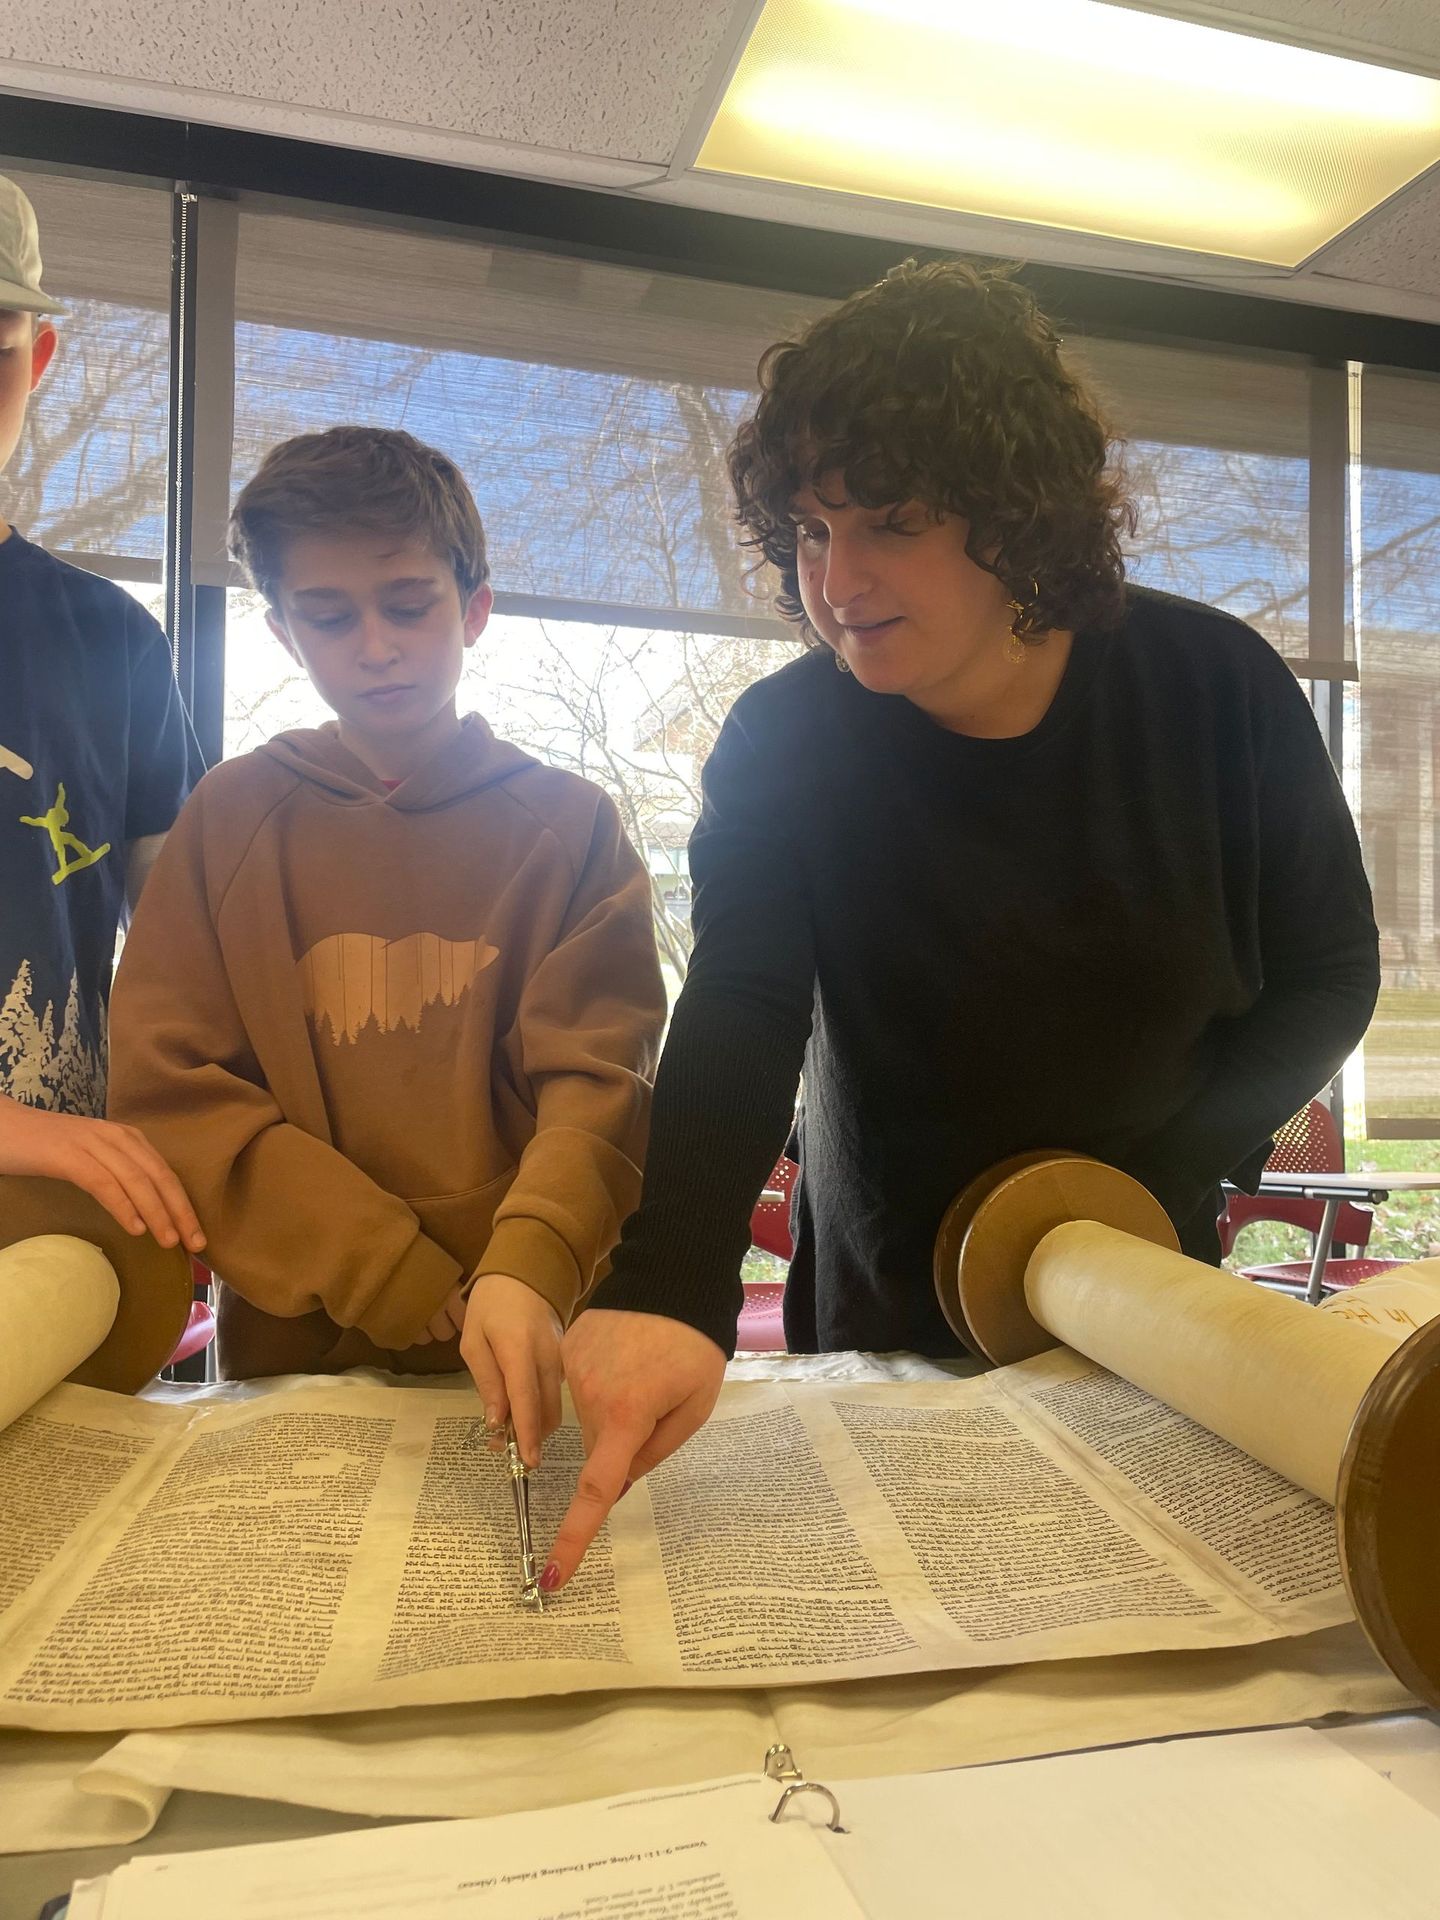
<point>841,663</point>
<point>1021,626</point>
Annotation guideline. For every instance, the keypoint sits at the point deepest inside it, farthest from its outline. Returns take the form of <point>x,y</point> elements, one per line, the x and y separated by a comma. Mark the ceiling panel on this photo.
<point>615,78</point>
<point>603,91</point>
<point>1390,27</point>
<point>1398,246</point>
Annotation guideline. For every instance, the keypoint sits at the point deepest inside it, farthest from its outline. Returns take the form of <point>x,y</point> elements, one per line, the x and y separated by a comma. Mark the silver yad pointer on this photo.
<point>530,1594</point>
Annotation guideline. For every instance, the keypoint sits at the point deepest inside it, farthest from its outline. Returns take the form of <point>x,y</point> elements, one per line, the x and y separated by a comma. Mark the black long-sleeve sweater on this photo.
<point>1141,931</point>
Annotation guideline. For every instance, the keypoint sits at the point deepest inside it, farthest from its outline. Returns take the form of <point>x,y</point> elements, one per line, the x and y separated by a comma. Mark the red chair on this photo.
<point>770,1222</point>
<point>200,1327</point>
<point>762,1327</point>
<point>1310,1143</point>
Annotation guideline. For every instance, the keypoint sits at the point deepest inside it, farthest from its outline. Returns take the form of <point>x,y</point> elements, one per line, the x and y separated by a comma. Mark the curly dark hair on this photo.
<point>944,384</point>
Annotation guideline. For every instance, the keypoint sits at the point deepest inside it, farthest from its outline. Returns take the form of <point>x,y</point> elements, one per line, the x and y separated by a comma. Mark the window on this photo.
<point>1218,453</point>
<point>590,408</point>
<point>88,478</point>
<point>634,710</point>
<point>1395,592</point>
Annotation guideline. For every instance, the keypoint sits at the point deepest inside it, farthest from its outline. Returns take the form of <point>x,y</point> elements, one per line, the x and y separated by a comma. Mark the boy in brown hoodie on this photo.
<point>391,1004</point>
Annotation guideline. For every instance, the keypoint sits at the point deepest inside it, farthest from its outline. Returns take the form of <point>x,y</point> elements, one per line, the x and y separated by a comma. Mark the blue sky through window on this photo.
<point>601,488</point>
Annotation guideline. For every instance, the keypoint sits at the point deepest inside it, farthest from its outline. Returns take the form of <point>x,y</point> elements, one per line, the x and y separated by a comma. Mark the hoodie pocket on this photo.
<point>461,1223</point>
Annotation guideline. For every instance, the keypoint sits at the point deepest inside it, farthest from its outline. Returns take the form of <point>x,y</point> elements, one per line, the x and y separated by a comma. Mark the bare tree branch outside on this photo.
<point>604,491</point>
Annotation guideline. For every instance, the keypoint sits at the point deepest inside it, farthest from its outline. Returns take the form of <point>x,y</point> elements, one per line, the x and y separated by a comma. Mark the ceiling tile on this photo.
<point>1399,246</point>
<point>601,91</point>
<point>1389,27</point>
<point>610,77</point>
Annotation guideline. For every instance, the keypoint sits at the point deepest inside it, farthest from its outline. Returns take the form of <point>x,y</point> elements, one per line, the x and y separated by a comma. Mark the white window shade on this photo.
<point>1222,462</point>
<point>88,477</point>
<point>365,280</point>
<point>1198,396</point>
<point>589,406</point>
<point>1396,598</point>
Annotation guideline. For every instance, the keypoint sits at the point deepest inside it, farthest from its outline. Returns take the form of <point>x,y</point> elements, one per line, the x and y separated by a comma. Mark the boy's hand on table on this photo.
<point>510,1341</point>
<point>114,1164</point>
<point>642,1384</point>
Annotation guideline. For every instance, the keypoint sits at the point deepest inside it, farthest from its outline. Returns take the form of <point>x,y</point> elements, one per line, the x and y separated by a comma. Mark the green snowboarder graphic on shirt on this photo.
<point>54,823</point>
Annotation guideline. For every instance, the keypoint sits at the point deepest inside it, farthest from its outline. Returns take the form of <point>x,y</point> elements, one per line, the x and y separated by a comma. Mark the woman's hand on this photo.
<point>642,1384</point>
<point>114,1164</point>
<point>510,1341</point>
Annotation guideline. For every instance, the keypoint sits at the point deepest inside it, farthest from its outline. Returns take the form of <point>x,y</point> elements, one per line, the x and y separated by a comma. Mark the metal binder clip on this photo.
<point>530,1594</point>
<point>780,1765</point>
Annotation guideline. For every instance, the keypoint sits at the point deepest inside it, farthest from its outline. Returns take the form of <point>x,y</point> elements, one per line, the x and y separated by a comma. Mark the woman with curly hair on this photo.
<point>1017,856</point>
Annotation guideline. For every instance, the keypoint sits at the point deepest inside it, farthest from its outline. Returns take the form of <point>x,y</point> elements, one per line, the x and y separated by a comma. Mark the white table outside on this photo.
<point>1334,1189</point>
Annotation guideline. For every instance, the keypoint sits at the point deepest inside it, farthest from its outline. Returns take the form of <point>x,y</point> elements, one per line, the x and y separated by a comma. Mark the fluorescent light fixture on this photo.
<point>1074,114</point>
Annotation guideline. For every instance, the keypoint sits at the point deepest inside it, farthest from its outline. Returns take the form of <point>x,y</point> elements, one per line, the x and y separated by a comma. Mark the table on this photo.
<point>197,1818</point>
<point>1334,1189</point>
<point>188,1822</point>
<point>1403,1747</point>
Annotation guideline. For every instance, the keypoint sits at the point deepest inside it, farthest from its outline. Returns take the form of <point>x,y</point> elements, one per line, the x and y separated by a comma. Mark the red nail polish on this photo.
<point>550,1578</point>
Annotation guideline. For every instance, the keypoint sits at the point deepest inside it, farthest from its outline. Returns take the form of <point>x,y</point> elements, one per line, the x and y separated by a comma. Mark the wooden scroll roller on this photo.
<point>80,1298</point>
<point>1054,1249</point>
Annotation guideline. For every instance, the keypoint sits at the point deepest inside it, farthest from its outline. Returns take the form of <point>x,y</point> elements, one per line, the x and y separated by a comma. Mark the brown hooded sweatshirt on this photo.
<point>390,1039</point>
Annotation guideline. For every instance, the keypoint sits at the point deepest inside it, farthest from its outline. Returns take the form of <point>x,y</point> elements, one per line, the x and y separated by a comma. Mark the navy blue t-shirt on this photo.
<point>94,752</point>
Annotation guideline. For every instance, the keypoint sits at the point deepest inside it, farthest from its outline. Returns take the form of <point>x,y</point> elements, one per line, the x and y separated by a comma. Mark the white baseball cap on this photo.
<point>20,255</point>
